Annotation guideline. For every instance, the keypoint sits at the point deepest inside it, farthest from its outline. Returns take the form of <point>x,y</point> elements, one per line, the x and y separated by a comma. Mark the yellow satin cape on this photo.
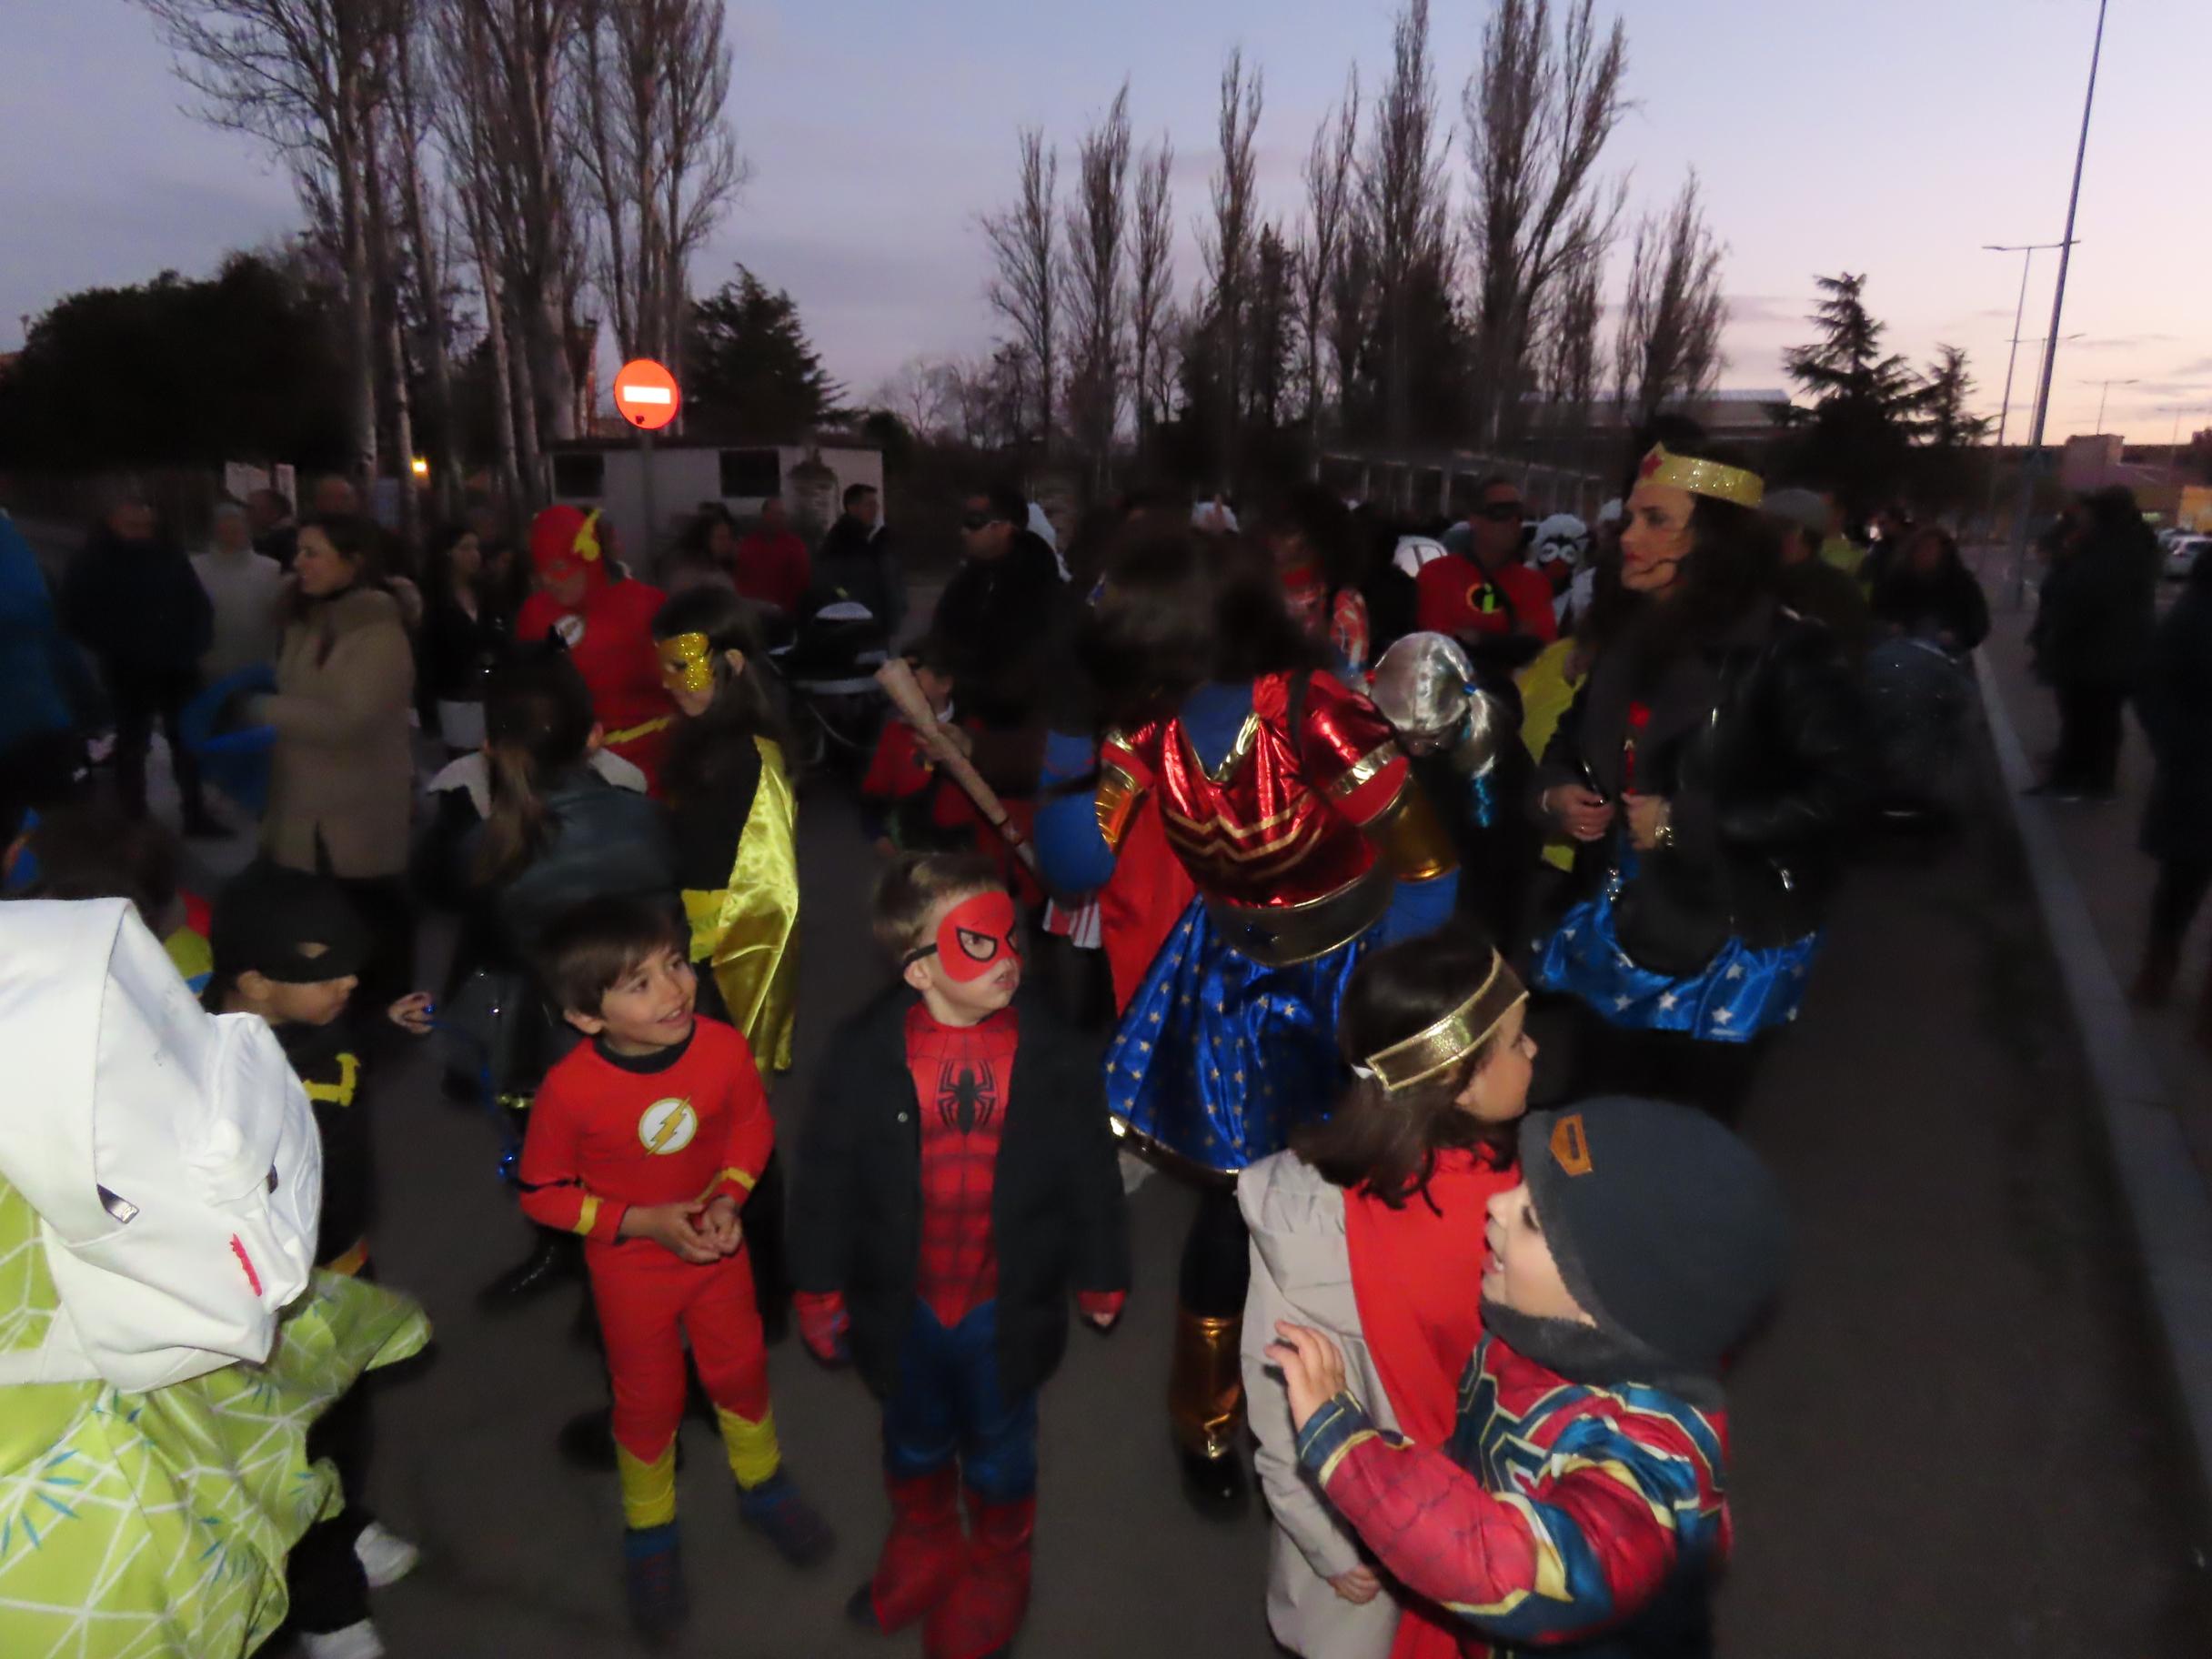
<point>747,931</point>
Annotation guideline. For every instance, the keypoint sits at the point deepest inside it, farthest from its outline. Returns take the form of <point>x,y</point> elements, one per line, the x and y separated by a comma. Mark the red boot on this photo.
<point>922,1558</point>
<point>979,1619</point>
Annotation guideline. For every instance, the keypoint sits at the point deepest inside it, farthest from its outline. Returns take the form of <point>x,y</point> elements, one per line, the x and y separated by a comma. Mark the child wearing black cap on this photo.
<point>288,946</point>
<point>1580,1503</point>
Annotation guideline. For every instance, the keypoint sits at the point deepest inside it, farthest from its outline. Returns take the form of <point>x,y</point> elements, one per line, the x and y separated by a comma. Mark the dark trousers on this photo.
<point>2089,732</point>
<point>2176,899</point>
<point>142,698</point>
<point>1216,1256</point>
<point>948,1403</point>
<point>1714,1077</point>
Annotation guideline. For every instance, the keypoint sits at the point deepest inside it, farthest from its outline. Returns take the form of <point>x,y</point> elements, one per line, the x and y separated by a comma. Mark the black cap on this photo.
<point>286,925</point>
<point>1665,1226</point>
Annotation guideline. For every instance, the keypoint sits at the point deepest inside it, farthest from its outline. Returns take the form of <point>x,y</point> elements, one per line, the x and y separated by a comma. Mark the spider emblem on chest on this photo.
<point>967,1094</point>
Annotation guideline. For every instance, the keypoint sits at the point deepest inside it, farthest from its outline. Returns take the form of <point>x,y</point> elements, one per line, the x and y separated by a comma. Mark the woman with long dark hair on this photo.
<point>1707,770</point>
<point>466,634</point>
<point>1286,799</point>
<point>735,817</point>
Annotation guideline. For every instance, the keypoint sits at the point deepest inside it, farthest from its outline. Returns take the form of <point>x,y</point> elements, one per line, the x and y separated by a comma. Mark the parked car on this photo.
<point>2181,555</point>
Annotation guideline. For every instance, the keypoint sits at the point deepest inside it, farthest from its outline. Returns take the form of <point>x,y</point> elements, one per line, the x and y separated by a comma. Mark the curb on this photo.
<point>2159,1182</point>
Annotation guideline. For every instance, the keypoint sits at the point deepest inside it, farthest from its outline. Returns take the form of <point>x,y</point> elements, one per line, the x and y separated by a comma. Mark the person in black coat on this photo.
<point>1929,594</point>
<point>996,622</point>
<point>130,597</point>
<point>467,632</point>
<point>857,561</point>
<point>2174,702</point>
<point>2094,620</point>
<point>939,1230</point>
<point>1709,768</point>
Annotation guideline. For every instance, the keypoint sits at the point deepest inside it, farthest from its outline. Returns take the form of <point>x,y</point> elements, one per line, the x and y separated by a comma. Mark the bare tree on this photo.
<point>1151,281</point>
<point>410,140</point>
<point>1330,206</point>
<point>1228,247</point>
<point>1351,315</point>
<point>1538,110</point>
<point>1566,341</point>
<point>507,68</point>
<point>298,75</point>
<point>1403,201</point>
<point>1668,341</point>
<point>652,79</point>
<point>1097,289</point>
<point>1024,240</point>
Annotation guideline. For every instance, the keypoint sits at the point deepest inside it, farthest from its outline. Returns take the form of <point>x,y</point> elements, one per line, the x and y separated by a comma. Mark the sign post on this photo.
<point>645,395</point>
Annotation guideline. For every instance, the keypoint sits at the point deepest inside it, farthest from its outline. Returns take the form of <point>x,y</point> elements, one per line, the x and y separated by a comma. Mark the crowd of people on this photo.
<point>1272,855</point>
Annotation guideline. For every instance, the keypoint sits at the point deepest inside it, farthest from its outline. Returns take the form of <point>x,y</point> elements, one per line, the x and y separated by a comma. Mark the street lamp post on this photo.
<point>2059,301</point>
<point>2103,396</point>
<point>2028,250</point>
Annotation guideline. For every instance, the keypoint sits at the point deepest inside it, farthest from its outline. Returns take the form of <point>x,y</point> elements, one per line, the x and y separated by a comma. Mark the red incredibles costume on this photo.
<point>1456,596</point>
<point>685,1125</point>
<point>607,629</point>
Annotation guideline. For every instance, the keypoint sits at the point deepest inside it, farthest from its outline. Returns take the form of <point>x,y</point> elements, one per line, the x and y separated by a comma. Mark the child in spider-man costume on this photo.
<point>958,1182</point>
<point>605,616</point>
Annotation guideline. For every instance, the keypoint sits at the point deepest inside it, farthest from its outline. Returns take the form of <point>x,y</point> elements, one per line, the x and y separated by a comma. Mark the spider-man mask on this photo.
<point>975,936</point>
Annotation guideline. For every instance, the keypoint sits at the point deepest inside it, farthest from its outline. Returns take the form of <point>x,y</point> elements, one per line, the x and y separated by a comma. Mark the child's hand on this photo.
<point>1312,1369</point>
<point>718,1223</point>
<point>1359,1586</point>
<point>412,1013</point>
<point>672,1228</point>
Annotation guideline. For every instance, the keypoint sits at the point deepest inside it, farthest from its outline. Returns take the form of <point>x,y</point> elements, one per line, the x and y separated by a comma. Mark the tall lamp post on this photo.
<point>2105,396</point>
<point>2059,301</point>
<point>2028,250</point>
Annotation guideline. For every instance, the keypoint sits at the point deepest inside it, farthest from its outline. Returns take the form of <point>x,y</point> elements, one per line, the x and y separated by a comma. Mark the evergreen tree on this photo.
<point>1949,459</point>
<point>1866,404</point>
<point>750,370</point>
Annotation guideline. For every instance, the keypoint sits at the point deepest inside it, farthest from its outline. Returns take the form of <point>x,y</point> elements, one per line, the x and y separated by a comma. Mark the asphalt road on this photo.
<point>1954,1440</point>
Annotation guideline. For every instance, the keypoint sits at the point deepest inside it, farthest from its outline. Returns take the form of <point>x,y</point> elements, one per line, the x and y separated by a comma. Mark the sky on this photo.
<point>1891,138</point>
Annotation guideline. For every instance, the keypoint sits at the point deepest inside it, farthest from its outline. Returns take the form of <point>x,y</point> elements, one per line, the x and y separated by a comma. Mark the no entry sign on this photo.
<point>646,394</point>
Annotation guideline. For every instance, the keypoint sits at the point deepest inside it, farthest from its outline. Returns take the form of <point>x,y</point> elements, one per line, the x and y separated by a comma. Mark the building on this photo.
<point>658,490</point>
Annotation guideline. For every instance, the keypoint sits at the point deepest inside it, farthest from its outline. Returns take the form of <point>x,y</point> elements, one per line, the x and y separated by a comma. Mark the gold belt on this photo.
<point>1279,935</point>
<point>643,729</point>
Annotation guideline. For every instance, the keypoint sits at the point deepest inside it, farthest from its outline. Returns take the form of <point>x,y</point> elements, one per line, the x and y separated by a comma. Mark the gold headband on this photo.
<point>1445,1041</point>
<point>1703,478</point>
<point>686,663</point>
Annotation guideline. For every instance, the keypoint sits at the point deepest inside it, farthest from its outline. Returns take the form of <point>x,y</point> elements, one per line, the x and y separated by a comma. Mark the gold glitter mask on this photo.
<point>686,663</point>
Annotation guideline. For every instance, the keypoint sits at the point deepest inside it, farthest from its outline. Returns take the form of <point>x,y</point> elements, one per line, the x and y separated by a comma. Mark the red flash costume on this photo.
<point>685,1125</point>
<point>608,633</point>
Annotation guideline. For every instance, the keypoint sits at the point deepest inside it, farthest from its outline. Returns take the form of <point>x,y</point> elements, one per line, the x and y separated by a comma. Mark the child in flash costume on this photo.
<point>605,617</point>
<point>1286,799</point>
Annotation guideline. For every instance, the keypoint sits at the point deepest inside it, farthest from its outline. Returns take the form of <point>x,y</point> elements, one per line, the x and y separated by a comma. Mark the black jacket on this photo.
<point>1754,740</point>
<point>852,564</point>
<point>2097,612</point>
<point>1924,607</point>
<point>2174,704</point>
<point>458,651</point>
<point>136,605</point>
<point>1056,1207</point>
<point>997,621</point>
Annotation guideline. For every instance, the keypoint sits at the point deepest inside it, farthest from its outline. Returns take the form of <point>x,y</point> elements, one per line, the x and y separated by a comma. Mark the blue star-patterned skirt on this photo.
<point>1220,1056</point>
<point>1740,994</point>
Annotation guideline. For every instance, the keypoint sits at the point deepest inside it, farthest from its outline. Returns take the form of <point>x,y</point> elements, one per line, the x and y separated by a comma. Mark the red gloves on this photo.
<point>822,1324</point>
<point>1101,1308</point>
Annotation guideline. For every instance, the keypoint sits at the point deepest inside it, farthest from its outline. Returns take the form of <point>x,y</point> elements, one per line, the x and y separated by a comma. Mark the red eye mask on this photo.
<point>976,935</point>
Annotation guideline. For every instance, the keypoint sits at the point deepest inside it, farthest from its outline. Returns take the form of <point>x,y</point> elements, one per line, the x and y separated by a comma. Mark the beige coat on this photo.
<point>343,768</point>
<point>1302,1271</point>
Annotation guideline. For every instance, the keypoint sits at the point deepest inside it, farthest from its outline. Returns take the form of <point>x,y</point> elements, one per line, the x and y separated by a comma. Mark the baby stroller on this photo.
<point>837,707</point>
<point>1918,699</point>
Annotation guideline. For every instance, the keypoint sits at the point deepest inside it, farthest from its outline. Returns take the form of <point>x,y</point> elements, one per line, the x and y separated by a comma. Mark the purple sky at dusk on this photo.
<point>1889,136</point>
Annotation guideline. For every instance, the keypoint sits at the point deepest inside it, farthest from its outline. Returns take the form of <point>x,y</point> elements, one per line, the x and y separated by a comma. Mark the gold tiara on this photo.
<point>1703,478</point>
<point>1445,1041</point>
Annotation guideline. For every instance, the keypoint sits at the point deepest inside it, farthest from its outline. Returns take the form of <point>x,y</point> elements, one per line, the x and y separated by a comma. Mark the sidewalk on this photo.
<point>2154,1084</point>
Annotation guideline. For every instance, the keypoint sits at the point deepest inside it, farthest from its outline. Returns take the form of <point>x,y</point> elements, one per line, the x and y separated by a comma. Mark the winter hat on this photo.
<point>1667,1229</point>
<point>1562,536</point>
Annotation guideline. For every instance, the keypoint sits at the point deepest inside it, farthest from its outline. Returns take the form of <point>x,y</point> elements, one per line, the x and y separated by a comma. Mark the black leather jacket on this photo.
<point>1754,739</point>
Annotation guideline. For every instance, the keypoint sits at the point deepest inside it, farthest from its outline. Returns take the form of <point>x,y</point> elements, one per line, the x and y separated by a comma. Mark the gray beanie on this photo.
<point>1666,1228</point>
<point>1799,508</point>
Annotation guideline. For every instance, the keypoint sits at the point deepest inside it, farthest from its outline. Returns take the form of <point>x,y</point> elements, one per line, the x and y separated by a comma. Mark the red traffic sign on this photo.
<point>646,394</point>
